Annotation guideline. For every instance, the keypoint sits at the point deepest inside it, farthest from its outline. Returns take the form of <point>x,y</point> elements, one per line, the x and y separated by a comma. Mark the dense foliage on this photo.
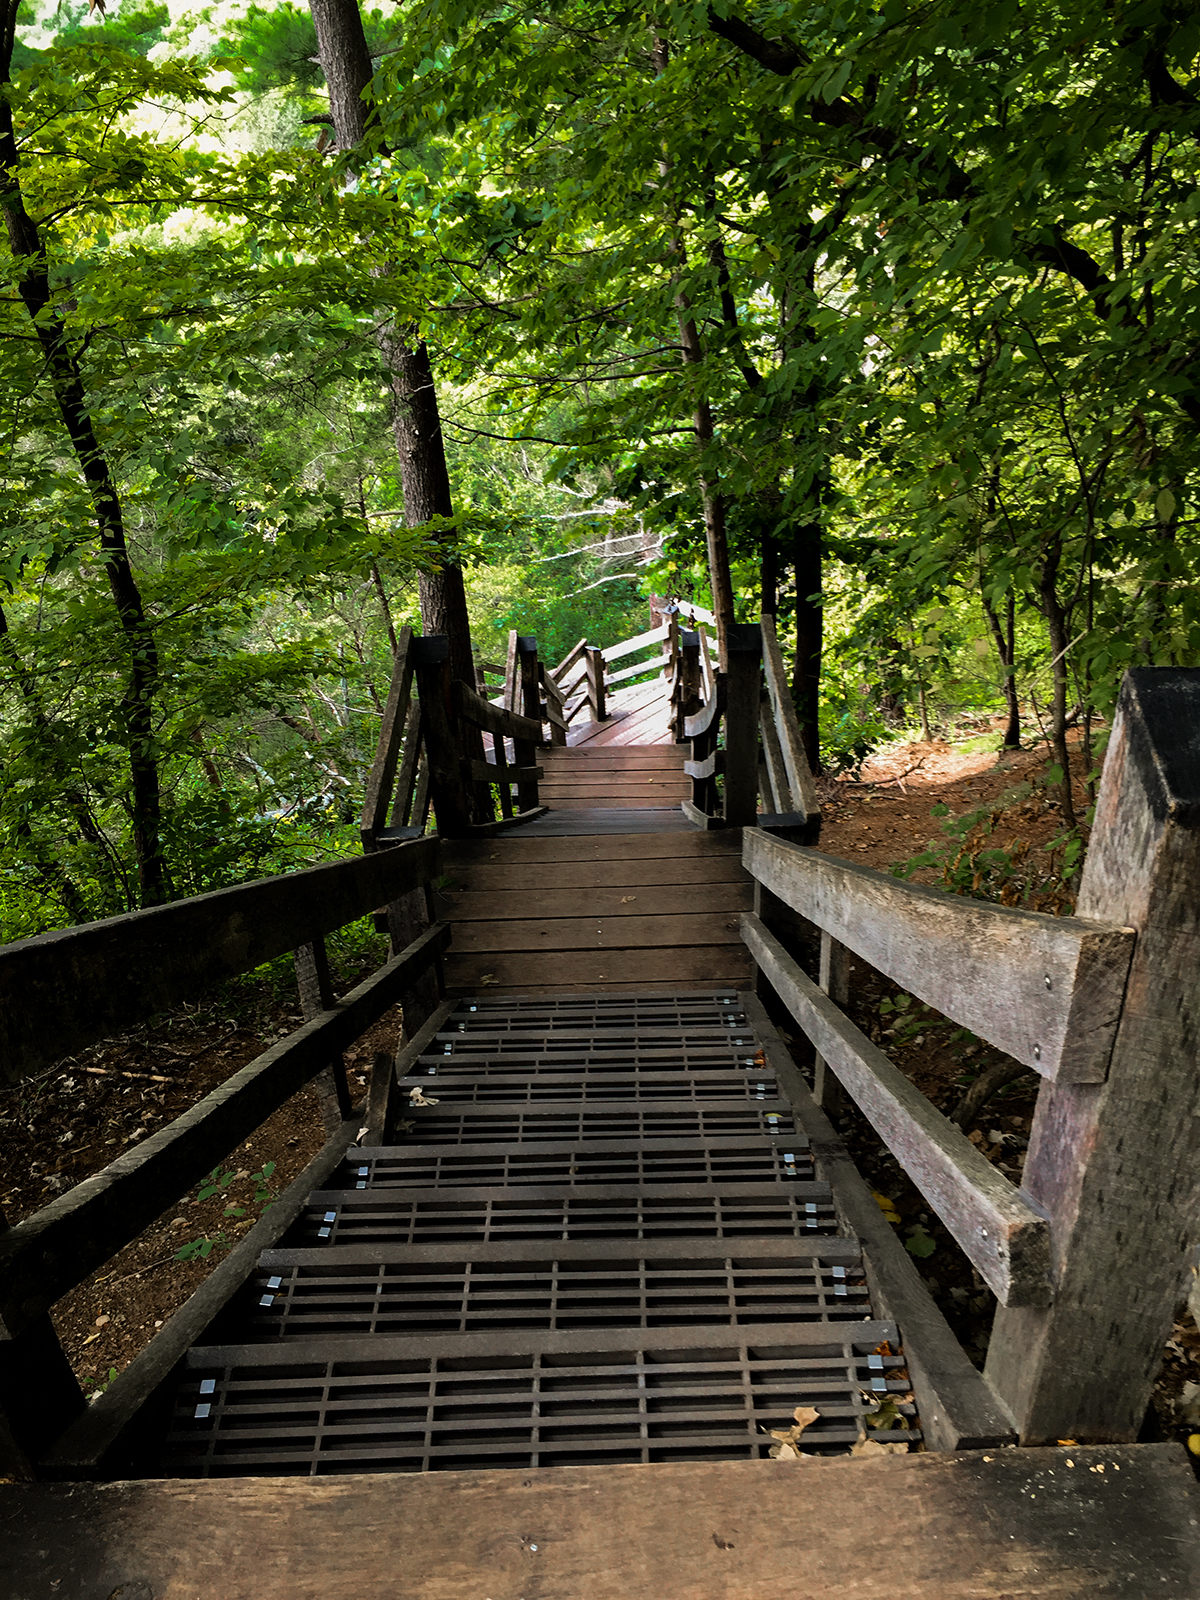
<point>890,308</point>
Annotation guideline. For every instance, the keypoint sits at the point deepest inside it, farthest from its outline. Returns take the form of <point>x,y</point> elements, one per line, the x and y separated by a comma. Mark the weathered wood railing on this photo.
<point>63,991</point>
<point>1091,1255</point>
<point>762,754</point>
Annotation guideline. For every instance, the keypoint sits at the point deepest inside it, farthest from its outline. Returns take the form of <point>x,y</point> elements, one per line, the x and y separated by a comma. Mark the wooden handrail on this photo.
<point>1047,990</point>
<point>629,647</point>
<point>63,990</point>
<point>801,797</point>
<point>1003,1237</point>
<point>493,719</point>
<point>59,1246</point>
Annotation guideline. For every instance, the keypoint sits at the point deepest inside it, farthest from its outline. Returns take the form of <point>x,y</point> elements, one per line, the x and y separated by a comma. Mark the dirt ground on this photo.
<point>71,1121</point>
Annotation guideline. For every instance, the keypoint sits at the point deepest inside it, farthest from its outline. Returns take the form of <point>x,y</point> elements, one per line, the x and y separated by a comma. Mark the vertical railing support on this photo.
<point>594,659</point>
<point>443,749</point>
<point>834,978</point>
<point>524,754</point>
<point>316,995</point>
<point>1114,1164</point>
<point>686,696</point>
<point>743,652</point>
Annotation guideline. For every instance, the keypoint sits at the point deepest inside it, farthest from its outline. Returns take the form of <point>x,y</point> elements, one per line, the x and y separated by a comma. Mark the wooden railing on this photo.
<point>1091,1254</point>
<point>63,991</point>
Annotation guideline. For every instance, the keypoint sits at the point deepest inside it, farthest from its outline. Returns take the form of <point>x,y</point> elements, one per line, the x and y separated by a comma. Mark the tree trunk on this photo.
<point>1005,637</point>
<point>810,623</point>
<point>1056,623</point>
<point>137,703</point>
<point>416,424</point>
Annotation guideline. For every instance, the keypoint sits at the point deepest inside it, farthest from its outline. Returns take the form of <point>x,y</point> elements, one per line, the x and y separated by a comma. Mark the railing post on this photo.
<point>382,778</point>
<point>834,977</point>
<point>594,657</point>
<point>316,995</point>
<point>743,651</point>
<point>524,754</point>
<point>39,1393</point>
<point>1113,1165</point>
<point>686,695</point>
<point>443,750</point>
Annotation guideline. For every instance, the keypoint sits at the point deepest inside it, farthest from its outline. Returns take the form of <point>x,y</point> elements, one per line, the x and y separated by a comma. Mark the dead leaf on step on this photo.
<point>786,1450</point>
<point>489,977</point>
<point>416,1098</point>
<point>888,1415</point>
<point>874,1447</point>
<point>626,898</point>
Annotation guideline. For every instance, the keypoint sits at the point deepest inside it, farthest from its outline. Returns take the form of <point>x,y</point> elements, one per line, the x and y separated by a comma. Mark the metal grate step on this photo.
<point>718,1160</point>
<point>511,1088</point>
<point>467,1401</point>
<point>620,1212</point>
<point>323,1297</point>
<point>656,1118</point>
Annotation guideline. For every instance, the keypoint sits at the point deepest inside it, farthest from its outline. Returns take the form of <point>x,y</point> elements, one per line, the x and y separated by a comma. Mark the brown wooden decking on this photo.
<point>612,890</point>
<point>637,716</point>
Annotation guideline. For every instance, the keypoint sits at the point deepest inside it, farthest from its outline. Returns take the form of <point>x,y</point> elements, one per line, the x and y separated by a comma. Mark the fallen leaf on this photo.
<point>887,1416</point>
<point>886,1206</point>
<point>489,977</point>
<point>785,1449</point>
<point>626,898</point>
<point>91,1338</point>
<point>416,1098</point>
<point>874,1447</point>
<point>784,1452</point>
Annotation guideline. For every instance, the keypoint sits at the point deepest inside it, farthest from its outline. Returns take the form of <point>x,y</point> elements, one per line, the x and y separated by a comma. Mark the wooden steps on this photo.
<point>585,912</point>
<point>1118,1523</point>
<point>637,716</point>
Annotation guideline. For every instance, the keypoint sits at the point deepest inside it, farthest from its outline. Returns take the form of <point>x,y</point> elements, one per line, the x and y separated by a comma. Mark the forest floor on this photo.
<point>71,1121</point>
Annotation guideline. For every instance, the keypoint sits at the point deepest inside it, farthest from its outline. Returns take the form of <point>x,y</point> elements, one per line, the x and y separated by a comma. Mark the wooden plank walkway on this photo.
<point>637,716</point>
<point>612,892</point>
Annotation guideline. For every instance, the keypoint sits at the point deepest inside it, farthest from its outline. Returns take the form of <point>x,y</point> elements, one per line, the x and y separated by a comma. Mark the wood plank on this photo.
<point>1048,990</point>
<point>628,802</point>
<point>629,647</point>
<point>492,772</point>
<point>1006,1241</point>
<point>799,773</point>
<point>941,1527</point>
<point>61,991</point>
<point>578,970</point>
<point>381,781</point>
<point>494,719</point>
<point>638,873</point>
<point>1116,1168</point>
<point>60,1245</point>
<point>655,664</point>
<point>591,931</point>
<point>958,1411</point>
<point>574,824</point>
<point>461,852</point>
<point>82,1449</point>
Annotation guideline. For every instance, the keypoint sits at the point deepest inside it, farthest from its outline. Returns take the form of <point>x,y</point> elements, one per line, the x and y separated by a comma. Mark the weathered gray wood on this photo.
<point>1115,1164</point>
<point>88,1445</point>
<point>512,674</point>
<point>713,763</point>
<point>1011,1525</point>
<point>698,818</point>
<point>778,794</point>
<point>553,693</point>
<point>64,990</point>
<point>799,773</point>
<point>1002,1236</point>
<point>628,647</point>
<point>382,777</point>
<point>1048,990</point>
<point>569,660</point>
<point>653,665</point>
<point>50,1252</point>
<point>494,719</point>
<point>958,1411</point>
<point>834,979</point>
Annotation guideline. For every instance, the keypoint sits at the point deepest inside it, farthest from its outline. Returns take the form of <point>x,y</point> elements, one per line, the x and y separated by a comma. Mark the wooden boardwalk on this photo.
<point>612,890</point>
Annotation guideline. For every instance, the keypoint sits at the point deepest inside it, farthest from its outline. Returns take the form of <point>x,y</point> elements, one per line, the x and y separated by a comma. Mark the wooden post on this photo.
<point>1114,1164</point>
<point>512,674</point>
<point>595,679</point>
<point>406,784</point>
<point>686,696</point>
<point>834,978</point>
<point>316,995</point>
<point>743,650</point>
<point>524,754</point>
<point>382,777</point>
<point>443,751</point>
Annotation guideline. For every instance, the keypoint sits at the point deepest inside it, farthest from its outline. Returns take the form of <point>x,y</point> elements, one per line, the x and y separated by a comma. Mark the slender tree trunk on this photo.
<point>810,625</point>
<point>1056,623</point>
<point>1005,636</point>
<point>137,703</point>
<point>416,424</point>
